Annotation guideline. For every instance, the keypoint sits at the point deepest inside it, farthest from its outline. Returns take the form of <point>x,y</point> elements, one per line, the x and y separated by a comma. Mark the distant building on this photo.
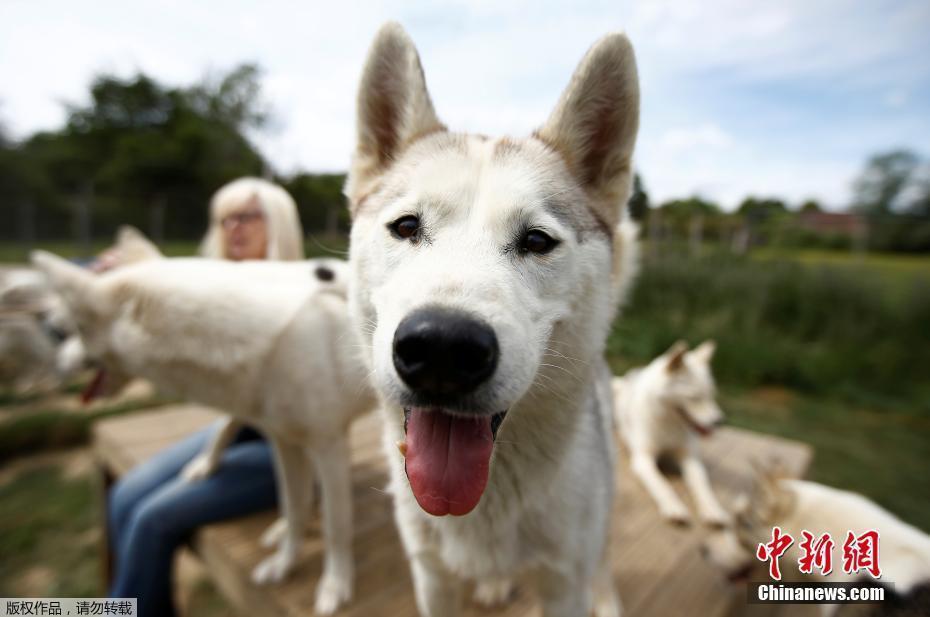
<point>833,223</point>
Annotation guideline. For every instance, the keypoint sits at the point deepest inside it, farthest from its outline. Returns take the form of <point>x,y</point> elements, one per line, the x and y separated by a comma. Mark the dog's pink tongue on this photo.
<point>447,460</point>
<point>94,388</point>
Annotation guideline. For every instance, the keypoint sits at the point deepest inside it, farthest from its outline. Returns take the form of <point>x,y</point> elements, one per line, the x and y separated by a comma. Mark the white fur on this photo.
<point>797,505</point>
<point>266,342</point>
<point>651,404</point>
<point>547,503</point>
<point>39,346</point>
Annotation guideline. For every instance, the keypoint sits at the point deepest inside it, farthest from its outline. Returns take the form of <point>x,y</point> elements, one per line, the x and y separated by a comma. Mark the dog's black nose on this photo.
<point>444,352</point>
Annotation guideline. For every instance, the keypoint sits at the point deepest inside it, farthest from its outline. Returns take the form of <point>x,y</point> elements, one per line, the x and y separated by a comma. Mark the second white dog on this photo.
<point>266,342</point>
<point>661,410</point>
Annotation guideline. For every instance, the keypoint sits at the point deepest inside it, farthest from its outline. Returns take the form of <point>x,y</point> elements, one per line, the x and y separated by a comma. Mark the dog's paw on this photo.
<point>331,593</point>
<point>492,594</point>
<point>199,468</point>
<point>608,606</point>
<point>675,513</point>
<point>273,569</point>
<point>275,534</point>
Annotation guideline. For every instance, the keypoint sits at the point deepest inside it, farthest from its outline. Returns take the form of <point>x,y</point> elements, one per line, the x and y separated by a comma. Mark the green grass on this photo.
<point>51,429</point>
<point>47,523</point>
<point>50,535</point>
<point>879,452</point>
<point>826,331</point>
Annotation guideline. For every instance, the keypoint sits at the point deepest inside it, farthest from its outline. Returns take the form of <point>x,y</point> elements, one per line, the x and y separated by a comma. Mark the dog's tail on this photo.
<point>626,259</point>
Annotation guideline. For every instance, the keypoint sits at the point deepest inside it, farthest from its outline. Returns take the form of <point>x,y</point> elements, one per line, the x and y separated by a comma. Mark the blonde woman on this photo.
<point>153,509</point>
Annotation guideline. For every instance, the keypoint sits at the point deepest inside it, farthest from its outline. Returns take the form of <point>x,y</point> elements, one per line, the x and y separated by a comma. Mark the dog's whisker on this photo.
<point>563,369</point>
<point>327,249</point>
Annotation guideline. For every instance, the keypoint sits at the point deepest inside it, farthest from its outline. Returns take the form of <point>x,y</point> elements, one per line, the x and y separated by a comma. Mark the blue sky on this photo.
<point>767,98</point>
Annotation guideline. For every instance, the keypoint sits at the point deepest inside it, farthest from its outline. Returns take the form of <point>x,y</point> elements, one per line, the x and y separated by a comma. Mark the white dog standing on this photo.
<point>268,343</point>
<point>661,410</point>
<point>486,278</point>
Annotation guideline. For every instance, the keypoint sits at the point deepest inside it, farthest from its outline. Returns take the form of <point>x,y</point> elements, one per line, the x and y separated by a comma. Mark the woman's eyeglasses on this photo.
<point>241,219</point>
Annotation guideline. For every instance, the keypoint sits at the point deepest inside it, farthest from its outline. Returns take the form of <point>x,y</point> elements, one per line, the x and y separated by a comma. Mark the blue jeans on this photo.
<point>152,511</point>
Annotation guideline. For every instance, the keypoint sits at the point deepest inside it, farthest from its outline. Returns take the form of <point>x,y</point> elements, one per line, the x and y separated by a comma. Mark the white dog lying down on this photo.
<point>267,342</point>
<point>661,410</point>
<point>797,505</point>
<point>486,278</point>
<point>39,346</point>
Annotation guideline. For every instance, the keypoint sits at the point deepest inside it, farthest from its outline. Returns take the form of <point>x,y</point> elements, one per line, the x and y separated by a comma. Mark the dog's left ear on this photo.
<point>676,356</point>
<point>74,283</point>
<point>394,109</point>
<point>705,351</point>
<point>595,122</point>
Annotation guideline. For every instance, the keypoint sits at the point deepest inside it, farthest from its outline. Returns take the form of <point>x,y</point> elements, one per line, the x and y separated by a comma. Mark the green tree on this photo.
<point>893,192</point>
<point>811,205</point>
<point>320,201</point>
<point>761,210</point>
<point>878,188</point>
<point>143,152</point>
<point>639,200</point>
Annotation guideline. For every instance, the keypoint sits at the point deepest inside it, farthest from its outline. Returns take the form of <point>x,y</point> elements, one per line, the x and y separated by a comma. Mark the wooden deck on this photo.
<point>657,567</point>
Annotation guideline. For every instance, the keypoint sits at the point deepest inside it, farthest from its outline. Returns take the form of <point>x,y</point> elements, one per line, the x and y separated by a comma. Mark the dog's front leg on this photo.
<point>204,464</point>
<point>332,463</point>
<point>289,464</point>
<point>709,509</point>
<point>438,591</point>
<point>564,593</point>
<point>670,505</point>
<point>277,531</point>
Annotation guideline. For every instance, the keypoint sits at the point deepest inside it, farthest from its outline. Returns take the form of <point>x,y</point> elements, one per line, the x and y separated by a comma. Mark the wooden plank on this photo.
<point>656,567</point>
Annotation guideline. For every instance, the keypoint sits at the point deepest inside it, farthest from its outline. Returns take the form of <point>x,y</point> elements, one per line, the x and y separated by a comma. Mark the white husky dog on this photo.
<point>796,506</point>
<point>267,342</point>
<point>486,275</point>
<point>39,346</point>
<point>661,410</point>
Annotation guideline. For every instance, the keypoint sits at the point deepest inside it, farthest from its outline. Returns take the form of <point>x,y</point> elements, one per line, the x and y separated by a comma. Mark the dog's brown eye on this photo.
<point>406,227</point>
<point>535,241</point>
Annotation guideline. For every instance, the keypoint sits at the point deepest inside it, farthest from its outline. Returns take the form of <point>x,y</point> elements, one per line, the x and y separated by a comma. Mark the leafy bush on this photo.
<point>820,329</point>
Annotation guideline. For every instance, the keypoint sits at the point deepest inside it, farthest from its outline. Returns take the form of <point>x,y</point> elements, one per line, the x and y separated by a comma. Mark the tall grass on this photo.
<point>820,329</point>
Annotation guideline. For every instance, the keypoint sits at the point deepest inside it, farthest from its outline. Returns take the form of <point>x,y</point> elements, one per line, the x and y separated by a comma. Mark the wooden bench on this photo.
<point>657,567</point>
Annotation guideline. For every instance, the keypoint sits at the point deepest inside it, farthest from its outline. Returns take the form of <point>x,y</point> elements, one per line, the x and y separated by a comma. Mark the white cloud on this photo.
<point>706,135</point>
<point>895,98</point>
<point>499,67</point>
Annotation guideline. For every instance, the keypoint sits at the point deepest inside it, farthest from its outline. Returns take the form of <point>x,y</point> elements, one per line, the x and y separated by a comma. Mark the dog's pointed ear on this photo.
<point>74,283</point>
<point>771,498</point>
<point>134,246</point>
<point>394,109</point>
<point>595,122</point>
<point>705,351</point>
<point>741,504</point>
<point>676,356</point>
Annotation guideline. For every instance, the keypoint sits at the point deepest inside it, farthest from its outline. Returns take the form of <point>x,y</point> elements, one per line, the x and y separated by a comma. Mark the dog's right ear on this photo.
<point>74,283</point>
<point>676,356</point>
<point>394,109</point>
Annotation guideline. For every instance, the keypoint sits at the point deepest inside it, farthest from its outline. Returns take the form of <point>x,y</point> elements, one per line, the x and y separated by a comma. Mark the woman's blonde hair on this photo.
<point>285,235</point>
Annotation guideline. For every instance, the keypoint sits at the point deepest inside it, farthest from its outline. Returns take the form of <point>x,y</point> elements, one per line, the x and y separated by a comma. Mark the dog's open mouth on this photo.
<point>448,458</point>
<point>741,575</point>
<point>95,387</point>
<point>696,426</point>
